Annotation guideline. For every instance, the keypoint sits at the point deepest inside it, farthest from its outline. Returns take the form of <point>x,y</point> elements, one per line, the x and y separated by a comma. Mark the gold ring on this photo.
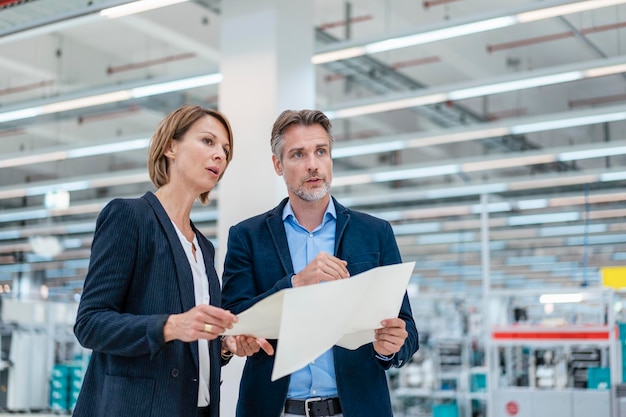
<point>208,327</point>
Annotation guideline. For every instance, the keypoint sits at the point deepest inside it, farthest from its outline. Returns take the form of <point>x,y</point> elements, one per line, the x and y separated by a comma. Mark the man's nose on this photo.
<point>312,163</point>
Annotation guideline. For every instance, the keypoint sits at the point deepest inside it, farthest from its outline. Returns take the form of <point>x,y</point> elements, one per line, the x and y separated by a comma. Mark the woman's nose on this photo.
<point>219,154</point>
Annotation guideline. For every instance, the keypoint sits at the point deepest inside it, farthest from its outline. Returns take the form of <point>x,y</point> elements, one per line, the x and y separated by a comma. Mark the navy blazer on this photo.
<point>258,264</point>
<point>139,275</point>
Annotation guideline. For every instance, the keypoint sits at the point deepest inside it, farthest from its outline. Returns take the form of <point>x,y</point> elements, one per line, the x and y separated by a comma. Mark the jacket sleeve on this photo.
<point>241,284</point>
<point>101,323</point>
<point>391,255</point>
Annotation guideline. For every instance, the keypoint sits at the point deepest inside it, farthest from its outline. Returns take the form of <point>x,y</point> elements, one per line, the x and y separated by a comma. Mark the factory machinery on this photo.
<point>516,354</point>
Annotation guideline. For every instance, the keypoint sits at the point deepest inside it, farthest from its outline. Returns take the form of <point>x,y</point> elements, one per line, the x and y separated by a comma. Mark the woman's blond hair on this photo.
<point>174,127</point>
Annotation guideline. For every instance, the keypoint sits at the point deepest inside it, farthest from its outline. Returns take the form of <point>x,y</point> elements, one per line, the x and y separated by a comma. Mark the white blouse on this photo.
<point>201,293</point>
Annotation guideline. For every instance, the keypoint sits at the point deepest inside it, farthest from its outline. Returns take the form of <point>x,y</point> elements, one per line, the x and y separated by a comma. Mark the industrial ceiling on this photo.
<point>475,127</point>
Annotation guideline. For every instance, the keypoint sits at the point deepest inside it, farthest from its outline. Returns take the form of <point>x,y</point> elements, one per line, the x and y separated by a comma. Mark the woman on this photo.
<point>149,305</point>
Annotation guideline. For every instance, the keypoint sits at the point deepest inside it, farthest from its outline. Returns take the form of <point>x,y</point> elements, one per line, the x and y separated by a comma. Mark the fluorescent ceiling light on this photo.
<point>23,215</point>
<point>554,181</point>
<point>111,97</point>
<point>568,122</point>
<point>19,114</point>
<point>543,218</point>
<point>402,174</point>
<point>538,203</point>
<point>83,102</point>
<point>66,186</point>
<point>492,207</point>
<point>472,89</point>
<point>441,238</point>
<point>507,162</point>
<point>414,228</point>
<point>603,71</point>
<point>481,131</point>
<point>136,7</point>
<point>574,7</point>
<point>592,153</point>
<point>525,260</point>
<point>339,181</point>
<point>387,106</point>
<point>462,27</point>
<point>394,145</point>
<point>177,85</point>
<point>105,180</point>
<point>337,55</point>
<point>560,298</point>
<point>572,230</point>
<point>13,161</point>
<point>18,159</point>
<point>459,135</point>
<point>515,85</point>
<point>477,190</point>
<point>439,34</point>
<point>466,191</point>
<point>406,141</point>
<point>107,148</point>
<point>613,176</point>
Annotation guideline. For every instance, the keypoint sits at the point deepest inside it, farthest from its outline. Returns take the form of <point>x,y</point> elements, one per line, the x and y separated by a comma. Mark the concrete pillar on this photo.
<point>266,49</point>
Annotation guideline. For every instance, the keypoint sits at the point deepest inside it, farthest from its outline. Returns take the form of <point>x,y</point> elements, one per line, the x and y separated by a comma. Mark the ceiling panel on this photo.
<point>554,220</point>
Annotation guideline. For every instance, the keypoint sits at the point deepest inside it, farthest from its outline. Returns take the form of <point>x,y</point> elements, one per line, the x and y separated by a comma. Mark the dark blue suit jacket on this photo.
<point>258,264</point>
<point>139,275</point>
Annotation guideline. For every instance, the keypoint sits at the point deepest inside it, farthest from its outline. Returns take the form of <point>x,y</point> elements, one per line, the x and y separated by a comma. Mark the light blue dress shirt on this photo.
<point>317,379</point>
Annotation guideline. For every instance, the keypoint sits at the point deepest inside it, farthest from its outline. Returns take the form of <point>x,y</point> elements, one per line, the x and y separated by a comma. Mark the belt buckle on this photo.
<point>306,405</point>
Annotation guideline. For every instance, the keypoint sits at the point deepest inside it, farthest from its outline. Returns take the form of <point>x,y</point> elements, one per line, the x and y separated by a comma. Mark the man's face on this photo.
<point>305,163</point>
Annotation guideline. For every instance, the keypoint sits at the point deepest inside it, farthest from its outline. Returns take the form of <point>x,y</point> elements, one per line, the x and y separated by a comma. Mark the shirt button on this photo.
<point>312,362</point>
<point>174,373</point>
<point>314,392</point>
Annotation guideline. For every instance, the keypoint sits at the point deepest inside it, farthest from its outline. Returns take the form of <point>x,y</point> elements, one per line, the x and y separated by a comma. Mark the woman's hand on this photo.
<point>201,322</point>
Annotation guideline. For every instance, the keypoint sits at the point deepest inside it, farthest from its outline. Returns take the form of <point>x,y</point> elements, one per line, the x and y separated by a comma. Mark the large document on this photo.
<point>309,320</point>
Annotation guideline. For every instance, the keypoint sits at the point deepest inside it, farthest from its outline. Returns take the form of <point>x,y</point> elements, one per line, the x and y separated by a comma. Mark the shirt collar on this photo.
<point>330,211</point>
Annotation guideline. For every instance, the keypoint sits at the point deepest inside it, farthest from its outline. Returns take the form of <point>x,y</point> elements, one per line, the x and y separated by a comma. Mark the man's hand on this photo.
<point>390,337</point>
<point>324,267</point>
<point>244,345</point>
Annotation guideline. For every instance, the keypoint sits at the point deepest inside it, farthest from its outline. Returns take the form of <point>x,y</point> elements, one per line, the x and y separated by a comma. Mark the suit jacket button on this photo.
<point>174,373</point>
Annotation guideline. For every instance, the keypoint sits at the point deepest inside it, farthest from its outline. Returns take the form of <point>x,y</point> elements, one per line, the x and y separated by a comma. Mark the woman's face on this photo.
<point>199,158</point>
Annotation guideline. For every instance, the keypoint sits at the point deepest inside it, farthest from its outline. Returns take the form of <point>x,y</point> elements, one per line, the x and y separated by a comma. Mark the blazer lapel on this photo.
<point>208,253</point>
<point>183,270</point>
<point>279,237</point>
<point>343,217</point>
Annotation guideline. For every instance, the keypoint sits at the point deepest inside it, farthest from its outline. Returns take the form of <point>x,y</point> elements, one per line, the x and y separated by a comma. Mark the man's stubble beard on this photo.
<point>311,195</point>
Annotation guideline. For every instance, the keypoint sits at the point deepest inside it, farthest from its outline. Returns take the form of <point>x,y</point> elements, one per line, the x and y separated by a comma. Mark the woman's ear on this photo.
<point>171,151</point>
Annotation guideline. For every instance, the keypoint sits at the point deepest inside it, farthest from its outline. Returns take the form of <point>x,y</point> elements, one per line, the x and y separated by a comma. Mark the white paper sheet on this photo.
<point>311,319</point>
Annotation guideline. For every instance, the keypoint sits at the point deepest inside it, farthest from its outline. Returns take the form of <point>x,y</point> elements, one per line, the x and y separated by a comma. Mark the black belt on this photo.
<point>314,407</point>
<point>203,412</point>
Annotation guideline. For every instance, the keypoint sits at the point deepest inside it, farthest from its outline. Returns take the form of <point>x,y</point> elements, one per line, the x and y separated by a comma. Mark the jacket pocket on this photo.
<point>361,262</point>
<point>127,397</point>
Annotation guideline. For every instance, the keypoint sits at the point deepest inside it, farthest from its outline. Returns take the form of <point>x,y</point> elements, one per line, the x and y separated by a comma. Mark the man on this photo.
<point>307,239</point>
